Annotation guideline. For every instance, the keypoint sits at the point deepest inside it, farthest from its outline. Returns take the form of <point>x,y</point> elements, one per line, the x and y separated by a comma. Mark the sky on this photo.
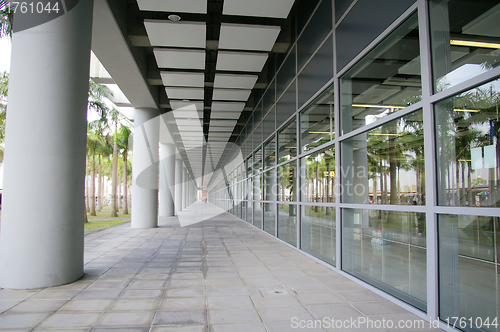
<point>4,54</point>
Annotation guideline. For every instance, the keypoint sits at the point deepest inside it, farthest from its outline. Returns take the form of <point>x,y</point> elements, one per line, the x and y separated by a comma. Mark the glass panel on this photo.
<point>465,39</point>
<point>319,177</point>
<point>287,142</point>
<point>468,149</point>
<point>249,215</point>
<point>243,210</point>
<point>249,166</point>
<point>317,123</point>
<point>386,165</point>
<point>257,161</point>
<point>269,218</point>
<point>318,232</point>
<point>257,188</point>
<point>468,270</point>
<point>287,182</point>
<point>377,248</point>
<point>270,185</point>
<point>257,214</point>
<point>270,153</point>
<point>287,223</point>
<point>384,81</point>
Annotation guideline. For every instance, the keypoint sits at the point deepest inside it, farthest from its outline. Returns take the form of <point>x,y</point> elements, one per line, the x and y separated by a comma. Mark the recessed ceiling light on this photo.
<point>174,17</point>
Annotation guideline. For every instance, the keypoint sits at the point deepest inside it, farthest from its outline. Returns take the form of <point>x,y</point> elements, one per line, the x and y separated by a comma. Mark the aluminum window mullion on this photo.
<point>429,163</point>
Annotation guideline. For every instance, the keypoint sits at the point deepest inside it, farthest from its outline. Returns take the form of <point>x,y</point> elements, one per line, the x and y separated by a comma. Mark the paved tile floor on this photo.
<point>217,275</point>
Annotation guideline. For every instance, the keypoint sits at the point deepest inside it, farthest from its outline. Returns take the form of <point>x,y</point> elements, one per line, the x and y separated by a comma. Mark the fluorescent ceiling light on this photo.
<point>474,44</point>
<point>235,81</point>
<point>320,132</point>
<point>241,61</point>
<point>183,79</point>
<point>464,110</point>
<point>248,37</point>
<point>375,134</point>
<point>180,59</point>
<point>176,34</point>
<point>378,106</point>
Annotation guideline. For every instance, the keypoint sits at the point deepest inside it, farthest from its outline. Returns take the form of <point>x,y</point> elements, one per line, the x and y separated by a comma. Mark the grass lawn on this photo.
<point>94,221</point>
<point>93,224</point>
<point>104,214</point>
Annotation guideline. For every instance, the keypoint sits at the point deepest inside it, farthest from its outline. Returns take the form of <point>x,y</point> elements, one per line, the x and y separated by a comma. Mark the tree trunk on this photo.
<point>114,177</point>
<point>125,175</point>
<point>119,194</point>
<point>86,220</point>
<point>393,171</point>
<point>99,188</point>
<point>87,192</point>
<point>316,192</point>
<point>92,188</point>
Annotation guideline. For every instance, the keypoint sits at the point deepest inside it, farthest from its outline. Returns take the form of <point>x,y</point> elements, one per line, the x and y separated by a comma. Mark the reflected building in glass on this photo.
<point>385,160</point>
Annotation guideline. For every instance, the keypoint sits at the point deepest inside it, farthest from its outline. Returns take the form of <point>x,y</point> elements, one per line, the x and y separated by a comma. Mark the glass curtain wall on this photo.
<point>401,171</point>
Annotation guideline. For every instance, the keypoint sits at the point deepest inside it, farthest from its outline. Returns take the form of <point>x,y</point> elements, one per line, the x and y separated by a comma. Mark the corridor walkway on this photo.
<point>216,275</point>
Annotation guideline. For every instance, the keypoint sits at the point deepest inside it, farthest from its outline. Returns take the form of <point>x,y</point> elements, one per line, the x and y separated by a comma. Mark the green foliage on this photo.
<point>6,17</point>
<point>97,94</point>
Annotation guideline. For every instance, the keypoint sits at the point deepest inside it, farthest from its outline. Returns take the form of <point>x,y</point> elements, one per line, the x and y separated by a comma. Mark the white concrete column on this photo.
<point>178,185</point>
<point>188,192</point>
<point>167,180</point>
<point>145,168</point>
<point>184,186</point>
<point>41,241</point>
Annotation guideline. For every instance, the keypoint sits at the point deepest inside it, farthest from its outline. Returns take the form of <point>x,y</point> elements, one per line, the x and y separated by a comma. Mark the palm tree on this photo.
<point>4,87</point>
<point>93,141</point>
<point>114,177</point>
<point>6,17</point>
<point>123,141</point>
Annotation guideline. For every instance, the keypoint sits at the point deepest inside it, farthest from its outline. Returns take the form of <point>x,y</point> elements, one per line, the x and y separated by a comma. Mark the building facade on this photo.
<point>375,149</point>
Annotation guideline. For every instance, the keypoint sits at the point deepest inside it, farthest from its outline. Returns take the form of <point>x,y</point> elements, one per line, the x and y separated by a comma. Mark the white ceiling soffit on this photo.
<point>225,115</point>
<point>227,106</point>
<point>218,135</point>
<point>235,81</point>
<point>239,61</point>
<point>231,94</point>
<point>170,78</point>
<point>220,129</point>
<point>177,105</point>
<point>178,6</point>
<point>186,128</point>
<point>189,122</point>
<point>225,123</point>
<point>185,93</point>
<point>176,34</point>
<point>247,37</point>
<point>261,8</point>
<point>180,59</point>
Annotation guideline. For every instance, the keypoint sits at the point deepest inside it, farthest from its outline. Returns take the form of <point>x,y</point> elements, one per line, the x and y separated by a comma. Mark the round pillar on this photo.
<point>178,185</point>
<point>167,180</point>
<point>41,241</point>
<point>145,168</point>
